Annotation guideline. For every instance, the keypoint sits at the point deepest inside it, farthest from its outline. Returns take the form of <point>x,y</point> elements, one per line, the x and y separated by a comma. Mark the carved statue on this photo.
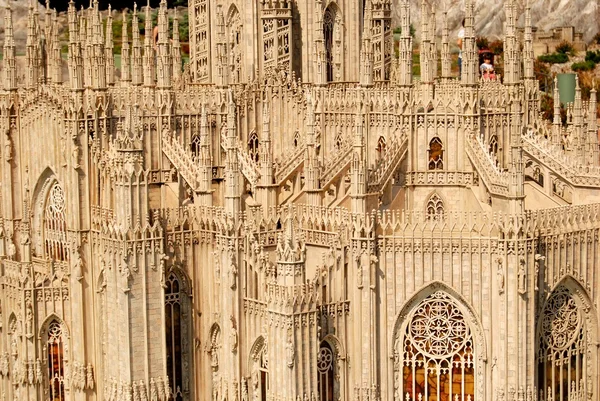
<point>290,352</point>
<point>143,393</point>
<point>522,277</point>
<point>125,274</point>
<point>89,383</point>
<point>29,321</point>
<point>78,265</point>
<point>233,271</point>
<point>153,391</point>
<point>214,357</point>
<point>233,335</point>
<point>75,156</point>
<point>500,278</point>
<point>538,259</point>
<point>255,384</point>
<point>244,389</point>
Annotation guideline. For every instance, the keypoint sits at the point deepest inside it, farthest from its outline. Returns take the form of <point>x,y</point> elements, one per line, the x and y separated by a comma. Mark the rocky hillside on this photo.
<point>546,14</point>
<point>489,15</point>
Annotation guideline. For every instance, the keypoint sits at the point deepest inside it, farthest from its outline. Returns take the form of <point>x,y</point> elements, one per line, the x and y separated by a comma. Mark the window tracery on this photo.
<point>436,154</point>
<point>435,355</point>
<point>196,145</point>
<point>56,363</point>
<point>381,148</point>
<point>493,148</point>
<point>55,226</point>
<point>332,22</point>
<point>562,347</point>
<point>253,144</point>
<point>435,208</point>
<point>326,371</point>
<point>176,331</point>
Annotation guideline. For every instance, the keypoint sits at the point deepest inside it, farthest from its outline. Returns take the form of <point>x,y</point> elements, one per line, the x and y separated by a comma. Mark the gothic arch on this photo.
<point>334,41</point>
<point>435,208</point>
<point>53,317</point>
<point>339,366</point>
<point>471,321</point>
<point>256,348</point>
<point>178,336</point>
<point>259,366</point>
<point>576,336</point>
<point>46,183</point>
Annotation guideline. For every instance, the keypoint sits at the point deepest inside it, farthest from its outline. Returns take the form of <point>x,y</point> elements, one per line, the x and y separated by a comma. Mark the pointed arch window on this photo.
<point>176,332</point>
<point>253,144</point>
<point>562,348</point>
<point>55,225</point>
<point>437,353</point>
<point>435,208</point>
<point>381,148</point>
<point>296,139</point>
<point>260,374</point>
<point>493,148</point>
<point>234,28</point>
<point>326,372</point>
<point>56,363</point>
<point>328,34</point>
<point>196,146</point>
<point>436,154</point>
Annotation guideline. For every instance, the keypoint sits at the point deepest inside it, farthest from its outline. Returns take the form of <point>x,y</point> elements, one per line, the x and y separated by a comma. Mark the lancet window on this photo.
<point>56,364</point>
<point>381,148</point>
<point>55,225</point>
<point>435,208</point>
<point>260,379</point>
<point>195,146</point>
<point>176,315</point>
<point>493,148</point>
<point>333,42</point>
<point>253,147</point>
<point>437,352</point>
<point>436,154</point>
<point>562,348</point>
<point>326,371</point>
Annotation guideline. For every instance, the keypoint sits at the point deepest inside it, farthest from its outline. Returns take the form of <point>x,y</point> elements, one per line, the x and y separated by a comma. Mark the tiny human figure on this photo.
<point>487,68</point>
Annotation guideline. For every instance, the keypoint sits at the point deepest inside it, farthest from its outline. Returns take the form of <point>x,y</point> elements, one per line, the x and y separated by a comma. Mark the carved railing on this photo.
<point>387,165</point>
<point>495,179</point>
<point>289,164</point>
<point>182,160</point>
<point>339,160</point>
<point>554,158</point>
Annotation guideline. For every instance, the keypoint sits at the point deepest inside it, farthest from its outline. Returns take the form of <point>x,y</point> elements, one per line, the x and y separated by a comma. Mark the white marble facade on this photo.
<point>292,216</point>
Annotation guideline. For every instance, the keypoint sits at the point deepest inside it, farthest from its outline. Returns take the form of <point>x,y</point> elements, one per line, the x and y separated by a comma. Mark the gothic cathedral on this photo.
<point>292,215</point>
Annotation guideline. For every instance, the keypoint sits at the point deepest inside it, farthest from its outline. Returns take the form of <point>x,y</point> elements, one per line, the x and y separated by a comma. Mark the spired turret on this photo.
<point>164,63</point>
<point>9,68</point>
<point>149,53</point>
<point>137,60</point>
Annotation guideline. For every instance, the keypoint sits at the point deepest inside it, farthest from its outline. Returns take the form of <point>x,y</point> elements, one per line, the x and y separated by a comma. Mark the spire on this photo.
<point>108,49</point>
<point>528,45</point>
<point>136,54</point>
<point>98,52</point>
<point>446,57</point>
<point>405,62</point>
<point>164,63</point>
<point>32,49</point>
<point>176,49</point>
<point>592,136</point>
<point>266,156</point>
<point>221,49</point>
<point>557,122</point>
<point>56,59</point>
<point>433,56</point>
<point>75,56</point>
<point>470,68</point>
<point>358,178</point>
<point>125,60</point>
<point>9,70</point>
<point>232,170</point>
<point>512,60</point>
<point>311,166</point>
<point>425,53</point>
<point>366,51</point>
<point>205,159</point>
<point>320,62</point>
<point>148,49</point>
